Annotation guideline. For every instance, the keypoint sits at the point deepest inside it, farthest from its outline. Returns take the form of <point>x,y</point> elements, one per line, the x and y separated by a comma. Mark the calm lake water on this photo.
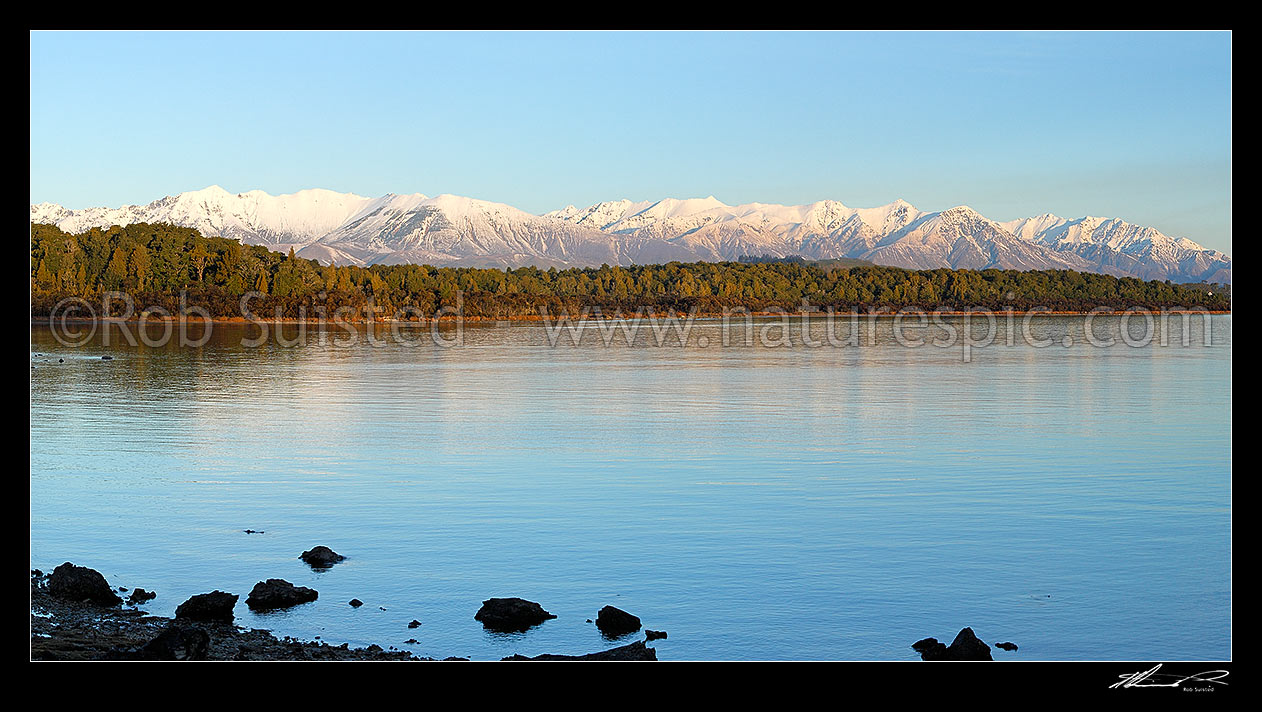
<point>756,502</point>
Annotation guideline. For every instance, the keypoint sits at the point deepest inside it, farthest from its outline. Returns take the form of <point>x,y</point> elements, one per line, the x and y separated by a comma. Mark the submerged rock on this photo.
<point>965,647</point>
<point>177,642</point>
<point>510,615</point>
<point>1010,647</point>
<point>141,596</point>
<point>278,593</point>
<point>635,651</point>
<point>79,583</point>
<point>321,557</point>
<point>614,622</point>
<point>650,635</point>
<point>213,606</point>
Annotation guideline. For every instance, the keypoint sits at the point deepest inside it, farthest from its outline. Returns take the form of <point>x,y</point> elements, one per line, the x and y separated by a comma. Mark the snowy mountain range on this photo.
<point>344,228</point>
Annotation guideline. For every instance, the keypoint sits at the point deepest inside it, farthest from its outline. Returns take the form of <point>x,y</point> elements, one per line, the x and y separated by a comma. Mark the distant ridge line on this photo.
<point>451,230</point>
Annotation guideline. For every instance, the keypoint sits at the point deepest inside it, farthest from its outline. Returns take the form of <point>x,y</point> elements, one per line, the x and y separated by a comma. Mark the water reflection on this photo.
<point>860,498</point>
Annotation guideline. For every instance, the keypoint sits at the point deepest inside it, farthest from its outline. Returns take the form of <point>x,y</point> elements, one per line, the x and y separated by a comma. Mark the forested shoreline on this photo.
<point>176,268</point>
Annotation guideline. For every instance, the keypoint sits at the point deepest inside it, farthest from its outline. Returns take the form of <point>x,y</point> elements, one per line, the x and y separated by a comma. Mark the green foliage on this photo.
<point>156,263</point>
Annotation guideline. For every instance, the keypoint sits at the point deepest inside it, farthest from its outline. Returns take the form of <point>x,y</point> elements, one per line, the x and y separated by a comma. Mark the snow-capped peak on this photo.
<point>449,229</point>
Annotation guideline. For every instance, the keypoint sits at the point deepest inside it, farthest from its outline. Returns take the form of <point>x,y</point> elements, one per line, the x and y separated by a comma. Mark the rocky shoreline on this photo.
<point>75,615</point>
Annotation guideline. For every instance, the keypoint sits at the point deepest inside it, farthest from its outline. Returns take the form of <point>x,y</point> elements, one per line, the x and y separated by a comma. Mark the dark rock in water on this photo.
<point>614,622</point>
<point>321,557</point>
<point>79,583</point>
<point>1010,647</point>
<point>141,596</point>
<point>414,624</point>
<point>177,642</point>
<point>252,531</point>
<point>278,593</point>
<point>213,606</point>
<point>511,615</point>
<point>411,641</point>
<point>635,651</point>
<point>107,358</point>
<point>455,659</point>
<point>930,649</point>
<point>965,647</point>
<point>122,589</point>
<point>650,635</point>
<point>70,630</point>
<point>355,602</point>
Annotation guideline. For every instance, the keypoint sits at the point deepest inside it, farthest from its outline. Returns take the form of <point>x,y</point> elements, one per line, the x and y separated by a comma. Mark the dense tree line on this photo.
<point>157,263</point>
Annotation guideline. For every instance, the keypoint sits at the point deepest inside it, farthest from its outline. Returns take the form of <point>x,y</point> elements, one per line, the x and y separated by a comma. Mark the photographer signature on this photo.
<point>1153,678</point>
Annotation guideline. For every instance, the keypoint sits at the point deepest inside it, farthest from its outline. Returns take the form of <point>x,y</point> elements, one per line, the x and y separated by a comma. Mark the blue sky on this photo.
<point>1134,125</point>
